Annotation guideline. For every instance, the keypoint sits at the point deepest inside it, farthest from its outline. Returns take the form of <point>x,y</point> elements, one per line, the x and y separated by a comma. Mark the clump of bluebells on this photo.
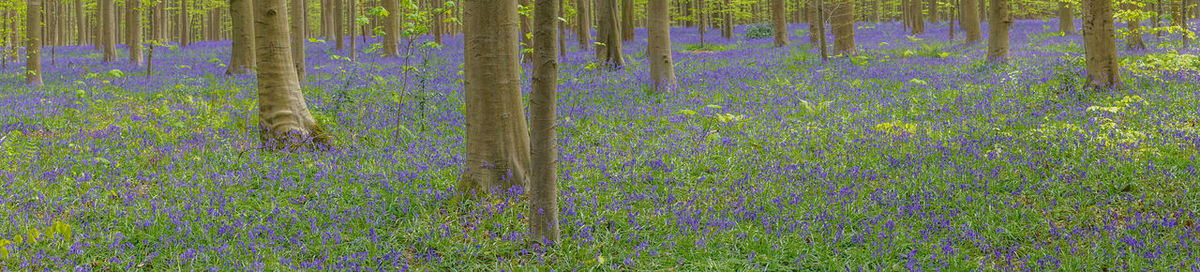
<point>764,159</point>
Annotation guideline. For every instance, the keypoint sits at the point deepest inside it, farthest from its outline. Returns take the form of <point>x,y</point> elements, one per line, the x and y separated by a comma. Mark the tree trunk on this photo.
<point>821,33</point>
<point>843,28</point>
<point>497,141</point>
<point>133,21</point>
<point>1099,43</point>
<point>584,22</point>
<point>185,24</point>
<point>1066,18</point>
<point>284,119</point>
<point>391,39</point>
<point>108,28</point>
<point>338,19</point>
<point>562,30</point>
<point>351,16</point>
<point>627,20</point>
<point>779,15</point>
<point>299,21</point>
<point>814,21</point>
<point>543,191</point>
<point>934,15</point>
<point>241,57</point>
<point>608,35</point>
<point>658,47</point>
<point>970,21</point>
<point>998,43</point>
<point>33,43</point>
<point>80,23</point>
<point>1134,31</point>
<point>916,16</point>
<point>727,20</point>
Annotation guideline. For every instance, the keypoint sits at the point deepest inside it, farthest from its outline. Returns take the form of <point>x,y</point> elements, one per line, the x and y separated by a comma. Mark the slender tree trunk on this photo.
<point>33,42</point>
<point>526,34</point>
<point>299,42</point>
<point>953,18</point>
<point>79,23</point>
<point>779,15</point>
<point>608,50</point>
<point>1099,42</point>
<point>543,191</point>
<point>627,20</point>
<point>562,30</point>
<point>1134,31</point>
<point>843,28</point>
<point>497,141</point>
<point>285,121</point>
<point>134,24</point>
<point>391,39</point>
<point>352,15</point>
<point>821,33</point>
<point>1066,18</point>
<point>584,22</point>
<point>438,21</point>
<point>998,41</point>
<point>970,21</point>
<point>934,14</point>
<point>658,47</point>
<point>727,21</point>
<point>814,21</point>
<point>241,57</point>
<point>108,29</point>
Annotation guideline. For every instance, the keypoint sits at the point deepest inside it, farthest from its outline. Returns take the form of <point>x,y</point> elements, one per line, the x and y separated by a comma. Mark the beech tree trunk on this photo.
<point>814,21</point>
<point>627,20</point>
<point>970,21</point>
<point>1099,43</point>
<point>779,17</point>
<point>608,35</point>
<point>497,141</point>
<point>391,24</point>
<point>284,119</point>
<point>916,16</point>
<point>33,43</point>
<point>543,191</point>
<point>338,19</point>
<point>185,24</point>
<point>299,23</point>
<point>1133,38</point>
<point>562,29</point>
<point>584,22</point>
<point>80,23</point>
<point>241,57</point>
<point>351,16</point>
<point>934,15</point>
<point>133,23</point>
<point>109,30</point>
<point>727,20</point>
<point>843,28</point>
<point>1066,18</point>
<point>658,48</point>
<point>998,43</point>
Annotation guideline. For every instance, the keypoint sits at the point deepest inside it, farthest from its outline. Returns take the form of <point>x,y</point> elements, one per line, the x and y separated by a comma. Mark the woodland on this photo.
<point>599,135</point>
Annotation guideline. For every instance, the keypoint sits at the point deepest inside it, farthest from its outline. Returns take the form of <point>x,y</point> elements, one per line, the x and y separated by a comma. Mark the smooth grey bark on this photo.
<point>658,48</point>
<point>284,119</point>
<point>391,24</point>
<point>543,191</point>
<point>970,21</point>
<point>608,35</point>
<point>33,43</point>
<point>299,23</point>
<point>998,41</point>
<point>1099,43</point>
<point>241,57</point>
<point>843,28</point>
<point>779,19</point>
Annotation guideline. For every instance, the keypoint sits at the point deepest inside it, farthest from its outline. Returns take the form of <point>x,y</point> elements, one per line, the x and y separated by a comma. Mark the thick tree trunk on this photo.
<point>916,16</point>
<point>439,21</point>
<point>779,15</point>
<point>338,19</point>
<point>284,119</point>
<point>1134,31</point>
<point>627,20</point>
<point>497,140</point>
<point>1099,43</point>
<point>584,22</point>
<point>998,42</point>
<point>970,21</point>
<point>391,24</point>
<point>133,21</point>
<point>658,47</point>
<point>608,35</point>
<point>241,57</point>
<point>108,29</point>
<point>1066,18</point>
<point>80,23</point>
<point>185,24</point>
<point>543,191</point>
<point>299,23</point>
<point>934,14</point>
<point>843,28</point>
<point>33,42</point>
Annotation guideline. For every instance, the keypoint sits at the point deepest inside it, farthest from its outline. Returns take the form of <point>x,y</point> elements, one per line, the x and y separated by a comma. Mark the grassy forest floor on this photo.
<point>912,155</point>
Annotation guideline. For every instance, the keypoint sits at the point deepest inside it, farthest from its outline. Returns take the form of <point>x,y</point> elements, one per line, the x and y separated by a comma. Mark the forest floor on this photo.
<point>912,155</point>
